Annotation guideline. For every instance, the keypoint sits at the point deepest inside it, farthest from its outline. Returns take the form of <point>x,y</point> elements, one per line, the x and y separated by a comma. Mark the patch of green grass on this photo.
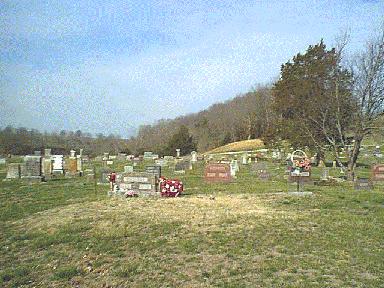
<point>66,273</point>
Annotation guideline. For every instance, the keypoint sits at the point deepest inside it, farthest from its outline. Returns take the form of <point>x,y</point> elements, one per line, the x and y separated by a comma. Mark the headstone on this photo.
<point>112,157</point>
<point>47,152</point>
<point>105,156</point>
<point>193,156</point>
<point>161,162</point>
<point>378,172</point>
<point>104,175</point>
<point>363,184</point>
<point>148,155</point>
<point>109,162</point>
<point>264,175</point>
<point>234,168</point>
<point>128,169</point>
<point>79,164</point>
<point>3,161</point>
<point>57,167</point>
<point>276,155</point>
<point>72,153</point>
<point>325,174</point>
<point>81,152</point>
<point>72,166</point>
<point>334,164</point>
<point>154,170</point>
<point>244,158</point>
<point>139,182</point>
<point>169,158</point>
<point>217,173</point>
<point>31,170</point>
<point>377,153</point>
<point>47,167</point>
<point>181,166</point>
<point>258,167</point>
<point>13,171</point>
<point>178,153</point>
<point>121,156</point>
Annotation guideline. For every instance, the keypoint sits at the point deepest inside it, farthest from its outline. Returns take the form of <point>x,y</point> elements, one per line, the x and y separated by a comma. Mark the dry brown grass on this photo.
<point>246,145</point>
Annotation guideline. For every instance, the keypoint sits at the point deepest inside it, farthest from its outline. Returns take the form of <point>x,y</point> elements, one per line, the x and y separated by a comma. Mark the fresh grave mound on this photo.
<point>245,145</point>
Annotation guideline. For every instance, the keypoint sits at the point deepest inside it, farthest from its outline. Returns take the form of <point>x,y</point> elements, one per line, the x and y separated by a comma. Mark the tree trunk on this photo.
<point>353,157</point>
<point>319,156</point>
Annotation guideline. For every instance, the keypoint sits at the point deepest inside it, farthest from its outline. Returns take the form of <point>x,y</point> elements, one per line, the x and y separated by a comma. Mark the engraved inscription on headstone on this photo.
<point>13,171</point>
<point>140,182</point>
<point>31,170</point>
<point>378,172</point>
<point>155,170</point>
<point>217,173</point>
<point>363,184</point>
<point>181,166</point>
<point>128,169</point>
<point>57,167</point>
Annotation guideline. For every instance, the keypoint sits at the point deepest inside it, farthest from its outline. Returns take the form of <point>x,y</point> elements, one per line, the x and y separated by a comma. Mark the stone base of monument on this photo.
<point>72,174</point>
<point>300,193</point>
<point>32,179</point>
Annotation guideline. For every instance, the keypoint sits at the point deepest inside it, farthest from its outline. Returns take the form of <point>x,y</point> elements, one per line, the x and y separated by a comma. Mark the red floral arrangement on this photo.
<point>170,187</point>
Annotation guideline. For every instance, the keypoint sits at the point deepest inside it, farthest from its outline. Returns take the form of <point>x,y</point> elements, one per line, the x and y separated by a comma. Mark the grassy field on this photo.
<point>249,233</point>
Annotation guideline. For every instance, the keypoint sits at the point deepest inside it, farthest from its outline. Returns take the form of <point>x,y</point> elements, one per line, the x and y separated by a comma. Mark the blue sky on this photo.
<point>110,67</point>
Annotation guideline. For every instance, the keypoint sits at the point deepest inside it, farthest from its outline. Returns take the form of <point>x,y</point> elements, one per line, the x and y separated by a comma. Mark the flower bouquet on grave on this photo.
<point>300,163</point>
<point>131,193</point>
<point>170,187</point>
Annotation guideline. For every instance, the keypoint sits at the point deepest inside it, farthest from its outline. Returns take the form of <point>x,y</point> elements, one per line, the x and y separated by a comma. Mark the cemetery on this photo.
<point>243,206</point>
<point>192,144</point>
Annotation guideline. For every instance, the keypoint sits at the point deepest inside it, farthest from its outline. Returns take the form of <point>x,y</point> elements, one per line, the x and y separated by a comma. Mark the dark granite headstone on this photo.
<point>363,184</point>
<point>155,170</point>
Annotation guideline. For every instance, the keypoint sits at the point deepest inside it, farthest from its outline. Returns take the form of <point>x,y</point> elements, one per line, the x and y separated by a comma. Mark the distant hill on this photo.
<point>244,117</point>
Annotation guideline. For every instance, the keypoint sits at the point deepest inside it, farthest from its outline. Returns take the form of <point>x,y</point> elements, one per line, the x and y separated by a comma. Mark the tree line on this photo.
<point>23,141</point>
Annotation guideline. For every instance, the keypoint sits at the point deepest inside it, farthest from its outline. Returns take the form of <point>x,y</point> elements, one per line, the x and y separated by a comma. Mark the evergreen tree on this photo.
<point>180,140</point>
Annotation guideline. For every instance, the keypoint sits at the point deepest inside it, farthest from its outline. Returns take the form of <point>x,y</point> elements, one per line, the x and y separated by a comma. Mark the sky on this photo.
<point>110,66</point>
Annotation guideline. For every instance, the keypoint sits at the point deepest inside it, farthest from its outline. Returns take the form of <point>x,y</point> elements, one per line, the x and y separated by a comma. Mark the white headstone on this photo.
<point>128,169</point>
<point>244,159</point>
<point>57,166</point>
<point>177,153</point>
<point>193,156</point>
<point>233,166</point>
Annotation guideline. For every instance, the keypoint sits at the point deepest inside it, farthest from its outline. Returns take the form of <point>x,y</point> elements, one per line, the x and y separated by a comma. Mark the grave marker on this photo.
<point>57,167</point>
<point>128,169</point>
<point>140,183</point>
<point>13,171</point>
<point>193,156</point>
<point>180,167</point>
<point>378,172</point>
<point>217,173</point>
<point>363,184</point>
<point>31,170</point>
<point>154,170</point>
